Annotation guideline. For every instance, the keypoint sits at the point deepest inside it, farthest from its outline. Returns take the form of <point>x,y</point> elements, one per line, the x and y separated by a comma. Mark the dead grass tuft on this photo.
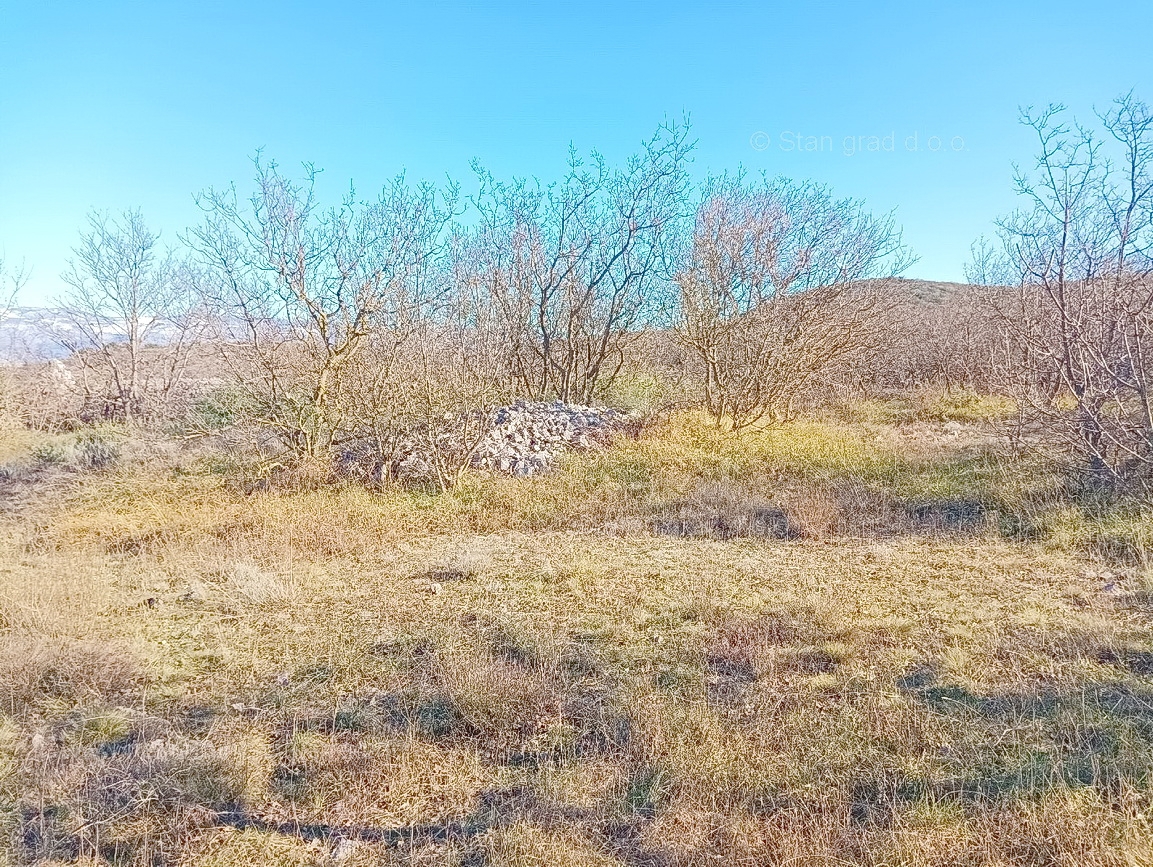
<point>723,511</point>
<point>36,673</point>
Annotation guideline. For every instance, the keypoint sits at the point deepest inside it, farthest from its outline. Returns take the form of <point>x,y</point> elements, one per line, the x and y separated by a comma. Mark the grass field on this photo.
<point>885,639</point>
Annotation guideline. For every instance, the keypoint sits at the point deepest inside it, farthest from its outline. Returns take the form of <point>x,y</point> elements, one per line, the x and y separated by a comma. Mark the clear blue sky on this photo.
<point>117,104</point>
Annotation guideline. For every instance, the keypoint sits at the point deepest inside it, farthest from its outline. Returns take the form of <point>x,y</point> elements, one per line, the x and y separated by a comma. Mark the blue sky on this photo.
<point>124,104</point>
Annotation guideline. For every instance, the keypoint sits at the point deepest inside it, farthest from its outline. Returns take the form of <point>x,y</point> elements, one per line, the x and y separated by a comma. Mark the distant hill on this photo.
<point>27,332</point>
<point>37,333</point>
<point>929,291</point>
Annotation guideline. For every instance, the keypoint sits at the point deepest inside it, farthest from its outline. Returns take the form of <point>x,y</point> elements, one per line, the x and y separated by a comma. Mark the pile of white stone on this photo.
<point>526,438</point>
<point>521,439</point>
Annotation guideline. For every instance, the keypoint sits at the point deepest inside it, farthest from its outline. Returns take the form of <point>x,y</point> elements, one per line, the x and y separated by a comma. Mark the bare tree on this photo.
<point>420,406</point>
<point>303,290</point>
<point>129,317</point>
<point>780,291</point>
<point>12,280</point>
<point>462,360</point>
<point>1081,255</point>
<point>575,267</point>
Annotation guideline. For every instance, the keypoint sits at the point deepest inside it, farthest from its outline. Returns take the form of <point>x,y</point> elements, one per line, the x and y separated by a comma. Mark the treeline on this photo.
<point>379,319</point>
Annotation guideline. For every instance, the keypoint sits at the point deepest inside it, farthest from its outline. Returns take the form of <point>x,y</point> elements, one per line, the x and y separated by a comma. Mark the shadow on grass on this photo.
<point>956,495</point>
<point>950,514</point>
<point>977,493</point>
<point>1099,736</point>
<point>715,512</point>
<point>619,836</point>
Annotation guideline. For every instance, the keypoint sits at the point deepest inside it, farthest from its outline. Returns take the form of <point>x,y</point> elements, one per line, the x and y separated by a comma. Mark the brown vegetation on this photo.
<point>865,642</point>
<point>838,593</point>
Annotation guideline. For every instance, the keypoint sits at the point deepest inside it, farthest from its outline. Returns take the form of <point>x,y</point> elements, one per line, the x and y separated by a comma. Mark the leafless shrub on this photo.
<point>33,670</point>
<point>574,268</point>
<point>11,405</point>
<point>659,375</point>
<point>12,279</point>
<point>434,394</point>
<point>1081,255</point>
<point>776,295</point>
<point>303,293</point>
<point>128,322</point>
<point>940,336</point>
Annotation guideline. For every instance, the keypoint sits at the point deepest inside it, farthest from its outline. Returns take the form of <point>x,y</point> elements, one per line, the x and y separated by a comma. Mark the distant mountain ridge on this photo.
<point>26,332</point>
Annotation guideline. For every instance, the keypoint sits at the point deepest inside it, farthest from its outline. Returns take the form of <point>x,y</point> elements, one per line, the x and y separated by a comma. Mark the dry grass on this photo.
<point>804,646</point>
